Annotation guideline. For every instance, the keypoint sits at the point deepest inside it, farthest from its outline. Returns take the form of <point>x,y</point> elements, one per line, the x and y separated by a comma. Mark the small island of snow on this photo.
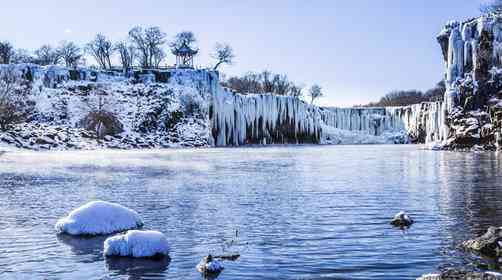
<point>97,218</point>
<point>137,244</point>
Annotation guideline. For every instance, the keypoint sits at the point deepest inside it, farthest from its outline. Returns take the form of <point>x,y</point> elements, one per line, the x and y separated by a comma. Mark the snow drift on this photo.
<point>98,217</point>
<point>137,244</point>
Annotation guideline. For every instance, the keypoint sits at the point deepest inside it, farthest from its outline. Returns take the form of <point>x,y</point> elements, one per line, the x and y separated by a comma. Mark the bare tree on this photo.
<point>127,54</point>
<point>296,90</point>
<point>101,48</point>
<point>184,37</point>
<point>11,101</point>
<point>6,52</point>
<point>149,43</point>
<point>23,56</point>
<point>158,56</point>
<point>70,53</point>
<point>281,84</point>
<point>223,54</point>
<point>267,83</point>
<point>495,6</point>
<point>137,36</point>
<point>250,83</point>
<point>315,92</point>
<point>47,55</point>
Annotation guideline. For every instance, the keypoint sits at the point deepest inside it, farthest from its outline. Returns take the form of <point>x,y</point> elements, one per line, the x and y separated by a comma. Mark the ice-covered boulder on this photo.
<point>209,265</point>
<point>402,219</point>
<point>99,217</point>
<point>137,244</point>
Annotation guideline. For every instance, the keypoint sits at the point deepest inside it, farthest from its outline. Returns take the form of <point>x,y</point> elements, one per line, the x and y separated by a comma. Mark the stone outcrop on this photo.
<point>472,52</point>
<point>460,274</point>
<point>489,244</point>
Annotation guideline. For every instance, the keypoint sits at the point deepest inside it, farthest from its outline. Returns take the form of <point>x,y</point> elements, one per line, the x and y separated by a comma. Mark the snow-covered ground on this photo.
<point>151,115</point>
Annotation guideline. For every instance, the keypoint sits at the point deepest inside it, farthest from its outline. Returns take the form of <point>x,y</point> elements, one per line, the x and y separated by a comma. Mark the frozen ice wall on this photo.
<point>239,119</point>
<point>424,122</point>
<point>472,50</point>
<point>371,121</point>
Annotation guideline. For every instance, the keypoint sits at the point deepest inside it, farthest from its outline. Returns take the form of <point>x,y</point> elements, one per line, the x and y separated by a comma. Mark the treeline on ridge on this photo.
<point>409,97</point>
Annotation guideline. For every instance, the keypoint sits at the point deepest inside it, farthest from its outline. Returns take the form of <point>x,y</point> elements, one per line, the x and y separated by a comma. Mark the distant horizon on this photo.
<point>356,51</point>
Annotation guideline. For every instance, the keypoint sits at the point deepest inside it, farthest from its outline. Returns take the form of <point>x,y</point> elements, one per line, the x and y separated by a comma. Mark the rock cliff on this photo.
<point>472,52</point>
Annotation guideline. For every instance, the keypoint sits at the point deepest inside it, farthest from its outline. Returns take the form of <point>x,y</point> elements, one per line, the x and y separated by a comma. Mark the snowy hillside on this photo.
<point>149,114</point>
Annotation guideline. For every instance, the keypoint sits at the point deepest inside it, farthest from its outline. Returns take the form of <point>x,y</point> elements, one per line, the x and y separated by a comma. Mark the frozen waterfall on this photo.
<point>239,119</point>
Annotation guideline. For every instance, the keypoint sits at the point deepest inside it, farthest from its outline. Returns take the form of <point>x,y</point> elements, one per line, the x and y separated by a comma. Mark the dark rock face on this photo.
<point>469,129</point>
<point>489,244</point>
<point>484,58</point>
<point>472,52</point>
<point>459,274</point>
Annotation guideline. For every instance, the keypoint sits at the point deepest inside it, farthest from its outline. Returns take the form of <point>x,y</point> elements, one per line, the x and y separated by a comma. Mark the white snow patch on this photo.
<point>137,244</point>
<point>99,217</point>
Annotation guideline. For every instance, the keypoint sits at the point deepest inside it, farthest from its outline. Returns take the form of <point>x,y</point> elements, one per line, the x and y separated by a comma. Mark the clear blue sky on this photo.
<point>357,50</point>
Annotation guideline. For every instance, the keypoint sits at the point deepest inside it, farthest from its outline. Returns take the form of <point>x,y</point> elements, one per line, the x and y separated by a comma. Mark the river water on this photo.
<point>291,212</point>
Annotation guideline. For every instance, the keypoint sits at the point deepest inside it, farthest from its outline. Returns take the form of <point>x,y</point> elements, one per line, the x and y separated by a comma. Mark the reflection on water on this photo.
<point>138,268</point>
<point>92,247</point>
<point>301,212</point>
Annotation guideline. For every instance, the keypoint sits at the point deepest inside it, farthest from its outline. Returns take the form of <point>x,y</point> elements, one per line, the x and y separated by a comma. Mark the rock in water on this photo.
<point>208,265</point>
<point>137,244</point>
<point>459,274</point>
<point>402,219</point>
<point>489,244</point>
<point>99,217</point>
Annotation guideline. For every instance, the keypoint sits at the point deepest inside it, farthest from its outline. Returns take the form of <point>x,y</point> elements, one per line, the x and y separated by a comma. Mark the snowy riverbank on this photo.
<point>83,109</point>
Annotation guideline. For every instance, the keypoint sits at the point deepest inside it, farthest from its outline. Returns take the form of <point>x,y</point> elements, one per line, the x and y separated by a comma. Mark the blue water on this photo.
<point>293,212</point>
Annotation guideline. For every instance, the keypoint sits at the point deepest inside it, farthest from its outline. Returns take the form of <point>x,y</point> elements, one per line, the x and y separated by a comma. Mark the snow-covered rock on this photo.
<point>472,52</point>
<point>402,219</point>
<point>137,244</point>
<point>209,265</point>
<point>97,218</point>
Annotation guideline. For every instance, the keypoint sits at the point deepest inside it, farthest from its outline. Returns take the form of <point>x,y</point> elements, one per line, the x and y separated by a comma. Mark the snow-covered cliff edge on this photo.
<point>187,107</point>
<point>151,110</point>
<point>472,53</point>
